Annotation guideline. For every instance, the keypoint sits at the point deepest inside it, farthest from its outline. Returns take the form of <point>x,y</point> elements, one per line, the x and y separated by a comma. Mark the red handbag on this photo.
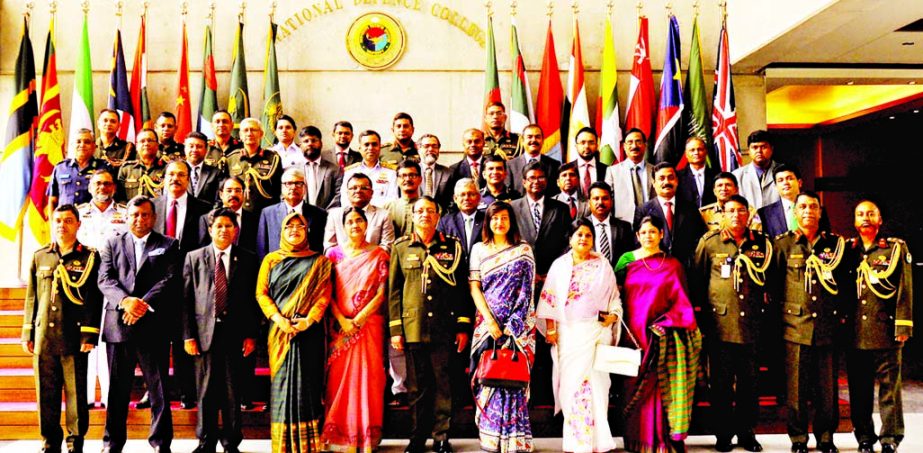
<point>503,368</point>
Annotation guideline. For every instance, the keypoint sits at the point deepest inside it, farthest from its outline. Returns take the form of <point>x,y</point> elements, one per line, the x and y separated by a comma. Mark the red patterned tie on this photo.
<point>586,181</point>
<point>171,220</point>
<point>341,160</point>
<point>221,285</point>
<point>668,213</point>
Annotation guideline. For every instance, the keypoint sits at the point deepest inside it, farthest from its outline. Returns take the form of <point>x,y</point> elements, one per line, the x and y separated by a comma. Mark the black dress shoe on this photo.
<point>144,402</point>
<point>827,447</point>
<point>724,445</point>
<point>415,446</point>
<point>799,447</point>
<point>187,405</point>
<point>888,448</point>
<point>442,446</point>
<point>750,444</point>
<point>162,449</point>
<point>231,450</point>
<point>866,447</point>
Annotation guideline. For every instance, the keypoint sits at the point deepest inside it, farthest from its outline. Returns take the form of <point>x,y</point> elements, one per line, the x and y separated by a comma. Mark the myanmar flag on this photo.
<point>607,105</point>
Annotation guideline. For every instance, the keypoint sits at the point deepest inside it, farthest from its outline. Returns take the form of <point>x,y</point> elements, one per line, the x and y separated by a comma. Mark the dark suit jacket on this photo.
<point>621,237</point>
<point>462,169</point>
<point>198,314</point>
<point>331,179</point>
<point>249,223</point>
<point>270,228</point>
<point>688,227</point>
<point>517,164</point>
<point>195,209</point>
<point>351,158</point>
<point>210,178</point>
<point>772,217</point>
<point>155,281</point>
<point>443,181</point>
<point>454,225</point>
<point>600,169</point>
<point>688,191</point>
<point>552,238</point>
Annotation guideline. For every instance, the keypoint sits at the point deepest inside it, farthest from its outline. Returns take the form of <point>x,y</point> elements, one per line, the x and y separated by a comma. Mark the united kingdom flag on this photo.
<point>724,112</point>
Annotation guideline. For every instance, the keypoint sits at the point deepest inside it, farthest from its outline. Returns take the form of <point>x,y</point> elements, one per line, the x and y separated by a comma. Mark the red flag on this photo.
<point>138,86</point>
<point>183,104</point>
<point>724,111</point>
<point>491,80</point>
<point>550,100</point>
<point>641,101</point>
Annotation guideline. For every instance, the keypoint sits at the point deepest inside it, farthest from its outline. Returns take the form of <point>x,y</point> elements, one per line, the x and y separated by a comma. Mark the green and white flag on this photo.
<point>521,112</point>
<point>82,105</point>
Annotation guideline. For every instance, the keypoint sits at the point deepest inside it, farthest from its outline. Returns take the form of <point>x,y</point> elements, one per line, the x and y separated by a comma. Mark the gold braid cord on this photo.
<point>824,270</point>
<point>756,273</point>
<point>148,184</point>
<point>447,274</point>
<point>61,275</point>
<point>257,177</point>
<point>866,273</point>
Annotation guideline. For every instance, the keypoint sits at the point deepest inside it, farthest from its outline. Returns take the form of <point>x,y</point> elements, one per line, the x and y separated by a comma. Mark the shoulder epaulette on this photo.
<point>896,240</point>
<point>711,234</point>
<point>388,165</point>
<point>782,235</point>
<point>120,206</point>
<point>402,239</point>
<point>351,166</point>
<point>82,206</point>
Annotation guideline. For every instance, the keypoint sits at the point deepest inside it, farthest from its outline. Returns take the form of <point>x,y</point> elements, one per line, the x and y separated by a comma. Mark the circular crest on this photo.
<point>376,40</point>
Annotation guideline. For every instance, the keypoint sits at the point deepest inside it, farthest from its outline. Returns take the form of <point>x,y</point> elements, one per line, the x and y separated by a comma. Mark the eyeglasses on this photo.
<point>291,184</point>
<point>295,227</point>
<point>408,175</point>
<point>536,178</point>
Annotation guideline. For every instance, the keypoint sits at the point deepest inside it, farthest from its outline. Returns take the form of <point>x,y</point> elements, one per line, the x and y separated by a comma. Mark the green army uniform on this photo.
<point>728,282</point>
<point>812,286</point>
<point>883,310</point>
<point>393,154</point>
<point>506,145</point>
<point>117,153</point>
<point>262,176</point>
<point>715,220</point>
<point>428,304</point>
<point>400,212</point>
<point>135,179</point>
<point>217,156</point>
<point>171,151</point>
<point>62,311</point>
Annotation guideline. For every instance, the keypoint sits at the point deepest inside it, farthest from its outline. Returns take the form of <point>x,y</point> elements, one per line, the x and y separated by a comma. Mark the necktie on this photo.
<point>536,217</point>
<point>240,226</point>
<point>668,213</point>
<point>573,207</point>
<point>221,285</point>
<point>428,180</point>
<point>636,184</point>
<point>586,180</point>
<point>792,222</point>
<point>475,173</point>
<point>604,247</point>
<point>341,160</point>
<point>195,179</point>
<point>312,184</point>
<point>171,219</point>
<point>139,253</point>
<point>469,225</point>
<point>699,186</point>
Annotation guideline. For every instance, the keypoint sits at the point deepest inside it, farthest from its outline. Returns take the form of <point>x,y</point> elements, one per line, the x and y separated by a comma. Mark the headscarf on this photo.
<point>288,249</point>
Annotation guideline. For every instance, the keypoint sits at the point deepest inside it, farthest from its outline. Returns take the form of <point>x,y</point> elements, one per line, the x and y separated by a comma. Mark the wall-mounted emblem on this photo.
<point>376,40</point>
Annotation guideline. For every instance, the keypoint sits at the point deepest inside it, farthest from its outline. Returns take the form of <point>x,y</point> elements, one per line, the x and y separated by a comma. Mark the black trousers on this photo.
<point>429,390</point>
<point>53,374</point>
<point>811,375</point>
<point>218,373</point>
<point>734,394</point>
<point>184,379</point>
<point>864,367</point>
<point>152,356</point>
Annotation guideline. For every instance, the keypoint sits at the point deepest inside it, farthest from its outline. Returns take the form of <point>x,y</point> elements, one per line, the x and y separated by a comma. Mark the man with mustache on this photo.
<point>204,179</point>
<point>499,141</point>
<point>145,175</point>
<point>403,146</point>
<point>232,197</point>
<point>170,149</point>
<point>631,179</point>
<point>756,178</point>
<point>109,147</point>
<point>532,139</point>
<point>223,144</point>
<point>436,177</point>
<point>341,153</point>
<point>261,169</point>
<point>322,178</point>
<point>684,225</point>
<point>725,186</point>
<point>472,164</point>
<point>779,217</point>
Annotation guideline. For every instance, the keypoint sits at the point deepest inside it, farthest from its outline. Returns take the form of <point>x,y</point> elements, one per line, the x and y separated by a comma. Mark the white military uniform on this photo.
<point>384,183</point>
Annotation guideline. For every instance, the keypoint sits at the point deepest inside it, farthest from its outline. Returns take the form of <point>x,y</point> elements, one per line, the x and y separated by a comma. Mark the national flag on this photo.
<point>119,95</point>
<point>82,104</point>
<point>576,114</point>
<point>139,82</point>
<point>272,101</point>
<point>491,80</point>
<point>641,91</point>
<point>18,143</point>
<point>183,100</point>
<point>550,100</point>
<point>521,110</point>
<point>724,111</point>
<point>671,131</point>
<point>238,95</point>
<point>208,100</point>
<point>607,105</point>
<point>49,143</point>
<point>698,123</point>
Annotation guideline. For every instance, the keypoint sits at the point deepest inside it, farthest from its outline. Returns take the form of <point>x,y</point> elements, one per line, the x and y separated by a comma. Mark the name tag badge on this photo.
<point>827,275</point>
<point>725,271</point>
<point>873,279</point>
<point>44,268</point>
<point>413,257</point>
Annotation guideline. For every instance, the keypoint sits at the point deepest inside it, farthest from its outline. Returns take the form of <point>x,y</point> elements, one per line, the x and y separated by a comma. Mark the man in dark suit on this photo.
<point>204,179</point>
<point>532,139</point>
<point>322,178</point>
<point>341,153</point>
<point>684,225</point>
<point>779,217</point>
<point>570,193</point>
<point>696,180</point>
<point>437,178</point>
<point>232,197</point>
<point>220,326</point>
<point>270,228</point>
<point>613,236</point>
<point>472,165</point>
<point>543,222</point>
<point>466,223</point>
<point>589,168</point>
<point>139,277</point>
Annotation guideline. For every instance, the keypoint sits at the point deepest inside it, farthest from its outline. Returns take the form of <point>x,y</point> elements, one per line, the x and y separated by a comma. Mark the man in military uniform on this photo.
<point>430,315</point>
<point>495,187</point>
<point>728,282</point>
<point>70,178</point>
<point>260,169</point>
<point>100,219</point>
<point>400,211</point>
<point>499,141</point>
<point>60,326</point>
<point>109,146</point>
<point>145,175</point>
<point>812,288</point>
<point>403,146</point>
<point>725,185</point>
<point>170,150</point>
<point>383,175</point>
<point>223,144</point>
<point>883,323</point>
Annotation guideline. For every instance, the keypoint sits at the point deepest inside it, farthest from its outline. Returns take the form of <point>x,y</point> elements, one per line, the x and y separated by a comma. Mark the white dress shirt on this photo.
<point>291,155</point>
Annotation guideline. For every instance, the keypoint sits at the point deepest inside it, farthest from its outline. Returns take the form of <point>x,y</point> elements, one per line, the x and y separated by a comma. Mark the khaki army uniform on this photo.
<point>262,176</point>
<point>715,220</point>
<point>117,153</point>
<point>135,179</point>
<point>171,151</point>
<point>393,154</point>
<point>400,212</point>
<point>62,311</point>
<point>728,282</point>
<point>428,304</point>
<point>506,145</point>
<point>812,286</point>
<point>883,310</point>
<point>217,156</point>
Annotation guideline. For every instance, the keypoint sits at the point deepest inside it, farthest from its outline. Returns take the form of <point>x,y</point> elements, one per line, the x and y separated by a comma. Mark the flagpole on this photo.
<point>243,8</point>
<point>550,11</point>
<point>27,17</point>
<point>723,5</point>
<point>211,14</point>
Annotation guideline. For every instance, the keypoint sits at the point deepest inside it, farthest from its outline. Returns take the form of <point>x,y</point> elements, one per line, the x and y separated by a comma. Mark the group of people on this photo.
<point>382,266</point>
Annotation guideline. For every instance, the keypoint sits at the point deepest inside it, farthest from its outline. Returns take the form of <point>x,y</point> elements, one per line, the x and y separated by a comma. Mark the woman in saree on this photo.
<point>293,290</point>
<point>658,313</point>
<point>502,280</point>
<point>355,369</point>
<point>578,306</point>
